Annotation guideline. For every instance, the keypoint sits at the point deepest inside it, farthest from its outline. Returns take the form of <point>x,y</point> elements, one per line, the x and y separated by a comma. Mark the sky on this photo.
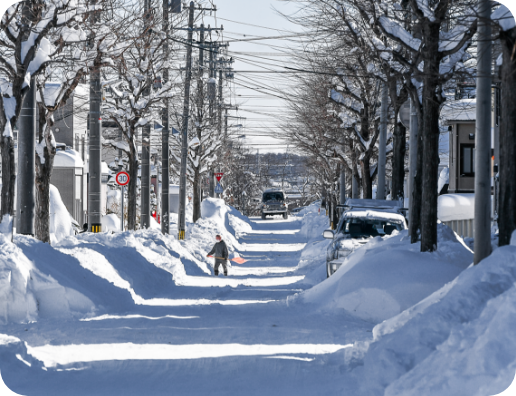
<point>256,90</point>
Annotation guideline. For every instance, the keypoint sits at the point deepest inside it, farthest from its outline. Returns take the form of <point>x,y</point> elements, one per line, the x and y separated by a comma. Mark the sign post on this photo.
<point>219,176</point>
<point>122,179</point>
<point>218,187</point>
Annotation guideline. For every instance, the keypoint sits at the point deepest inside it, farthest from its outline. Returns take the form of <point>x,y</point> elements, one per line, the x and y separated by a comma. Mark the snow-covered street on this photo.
<point>234,335</point>
<point>140,313</point>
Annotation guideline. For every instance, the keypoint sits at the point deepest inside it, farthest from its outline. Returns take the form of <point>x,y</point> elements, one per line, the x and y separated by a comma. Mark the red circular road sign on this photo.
<point>122,178</point>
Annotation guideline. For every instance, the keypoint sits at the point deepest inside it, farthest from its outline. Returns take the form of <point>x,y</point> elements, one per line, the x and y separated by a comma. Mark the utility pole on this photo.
<point>95,144</point>
<point>146,137</point>
<point>26,172</point>
<point>483,136</point>
<point>197,184</point>
<point>380,192</point>
<point>211,98</point>
<point>165,133</point>
<point>413,151</point>
<point>342,199</point>
<point>165,177</point>
<point>184,131</point>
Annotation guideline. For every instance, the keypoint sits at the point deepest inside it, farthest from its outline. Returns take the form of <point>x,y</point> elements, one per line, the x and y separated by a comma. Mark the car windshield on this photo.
<point>358,228</point>
<point>273,196</point>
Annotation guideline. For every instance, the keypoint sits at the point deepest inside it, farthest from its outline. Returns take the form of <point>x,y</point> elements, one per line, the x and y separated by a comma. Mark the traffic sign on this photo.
<point>122,178</point>
<point>218,189</point>
<point>219,176</point>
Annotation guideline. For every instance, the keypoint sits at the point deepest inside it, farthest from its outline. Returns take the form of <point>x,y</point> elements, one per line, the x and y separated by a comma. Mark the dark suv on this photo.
<point>274,203</point>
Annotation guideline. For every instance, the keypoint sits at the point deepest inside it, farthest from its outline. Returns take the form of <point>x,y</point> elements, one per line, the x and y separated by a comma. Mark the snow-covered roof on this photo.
<point>68,158</point>
<point>459,110</point>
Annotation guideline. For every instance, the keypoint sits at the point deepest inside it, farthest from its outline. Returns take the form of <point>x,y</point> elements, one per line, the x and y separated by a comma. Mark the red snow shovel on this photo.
<point>238,260</point>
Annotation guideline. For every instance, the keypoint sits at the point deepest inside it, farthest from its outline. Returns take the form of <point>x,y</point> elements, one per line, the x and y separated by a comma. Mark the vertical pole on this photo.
<point>165,134</point>
<point>212,184</point>
<point>211,98</point>
<point>354,186</point>
<point>219,118</point>
<point>211,85</point>
<point>146,137</point>
<point>26,171</point>
<point>413,150</point>
<point>483,136</point>
<point>342,200</point>
<point>122,217</point>
<point>95,149</point>
<point>220,105</point>
<point>184,131</point>
<point>225,124</point>
<point>380,192</point>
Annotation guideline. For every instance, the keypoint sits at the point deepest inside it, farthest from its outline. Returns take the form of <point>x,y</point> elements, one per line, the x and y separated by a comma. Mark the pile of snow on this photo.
<point>387,276</point>
<point>458,341</point>
<point>456,207</point>
<point>314,221</point>
<point>111,222</point>
<point>87,274</point>
<point>60,218</point>
<point>30,293</point>
<point>6,226</point>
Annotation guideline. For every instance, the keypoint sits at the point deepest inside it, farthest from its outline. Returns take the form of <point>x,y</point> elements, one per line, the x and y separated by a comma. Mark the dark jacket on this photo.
<point>219,250</point>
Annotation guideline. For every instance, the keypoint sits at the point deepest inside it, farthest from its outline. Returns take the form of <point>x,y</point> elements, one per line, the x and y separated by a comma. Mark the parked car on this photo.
<point>362,220</point>
<point>274,203</point>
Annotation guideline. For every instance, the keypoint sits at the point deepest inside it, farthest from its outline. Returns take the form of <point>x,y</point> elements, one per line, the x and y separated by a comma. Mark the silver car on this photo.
<point>362,221</point>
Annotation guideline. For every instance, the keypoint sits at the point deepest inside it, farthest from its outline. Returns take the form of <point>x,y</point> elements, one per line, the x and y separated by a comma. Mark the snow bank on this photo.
<point>458,341</point>
<point>111,222</point>
<point>313,222</point>
<point>313,256</point>
<point>386,277</point>
<point>6,226</point>
<point>87,274</point>
<point>60,219</point>
<point>29,293</point>
<point>456,207</point>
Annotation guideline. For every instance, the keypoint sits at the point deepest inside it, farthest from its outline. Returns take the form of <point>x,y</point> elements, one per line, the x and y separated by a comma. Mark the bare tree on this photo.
<point>134,88</point>
<point>25,51</point>
<point>507,206</point>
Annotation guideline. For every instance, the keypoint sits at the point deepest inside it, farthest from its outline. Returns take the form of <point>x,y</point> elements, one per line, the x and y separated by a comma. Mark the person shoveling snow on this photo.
<point>220,252</point>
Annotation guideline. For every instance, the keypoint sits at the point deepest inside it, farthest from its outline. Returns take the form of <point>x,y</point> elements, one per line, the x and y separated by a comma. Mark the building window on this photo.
<point>467,160</point>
